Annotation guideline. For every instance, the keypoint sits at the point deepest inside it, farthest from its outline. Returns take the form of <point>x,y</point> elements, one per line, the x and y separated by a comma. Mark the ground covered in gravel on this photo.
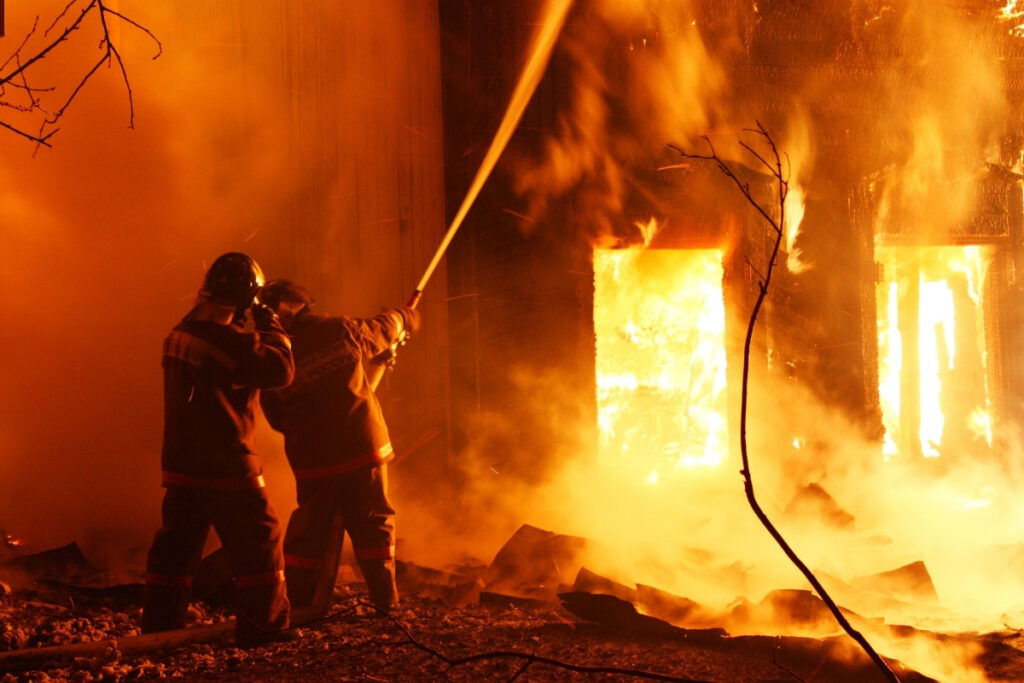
<point>426,639</point>
<point>61,619</point>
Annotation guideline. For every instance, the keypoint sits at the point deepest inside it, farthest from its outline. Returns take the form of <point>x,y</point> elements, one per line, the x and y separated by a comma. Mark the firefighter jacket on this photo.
<point>329,415</point>
<point>212,377</point>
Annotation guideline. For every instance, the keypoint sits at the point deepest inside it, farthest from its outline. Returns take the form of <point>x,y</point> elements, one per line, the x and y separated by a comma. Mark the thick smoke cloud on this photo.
<point>106,237</point>
<point>107,234</point>
<point>937,114</point>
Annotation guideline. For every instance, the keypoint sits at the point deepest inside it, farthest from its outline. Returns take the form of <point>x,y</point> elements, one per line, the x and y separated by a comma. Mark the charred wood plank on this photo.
<point>621,615</point>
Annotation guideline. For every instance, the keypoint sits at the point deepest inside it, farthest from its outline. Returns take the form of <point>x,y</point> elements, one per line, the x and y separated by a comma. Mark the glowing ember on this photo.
<point>659,319</point>
<point>932,350</point>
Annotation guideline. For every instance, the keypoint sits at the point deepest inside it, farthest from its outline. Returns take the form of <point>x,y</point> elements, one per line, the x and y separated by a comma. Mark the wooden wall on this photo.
<point>337,105</point>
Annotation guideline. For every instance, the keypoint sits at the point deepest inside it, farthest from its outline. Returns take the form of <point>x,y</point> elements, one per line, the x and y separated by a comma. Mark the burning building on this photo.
<point>581,362</point>
<point>602,287</point>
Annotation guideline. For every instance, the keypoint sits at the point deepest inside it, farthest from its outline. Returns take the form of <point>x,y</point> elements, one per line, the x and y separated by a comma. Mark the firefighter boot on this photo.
<point>380,582</point>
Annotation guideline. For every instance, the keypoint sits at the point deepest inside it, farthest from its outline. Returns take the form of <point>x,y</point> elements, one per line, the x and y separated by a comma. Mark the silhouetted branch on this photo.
<point>530,658</point>
<point>777,663</point>
<point>19,78</point>
<point>781,177</point>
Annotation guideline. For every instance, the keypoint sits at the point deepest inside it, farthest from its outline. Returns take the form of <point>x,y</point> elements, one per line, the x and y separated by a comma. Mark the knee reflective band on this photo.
<point>181,581</point>
<point>253,580</point>
<point>381,455</point>
<point>386,552</point>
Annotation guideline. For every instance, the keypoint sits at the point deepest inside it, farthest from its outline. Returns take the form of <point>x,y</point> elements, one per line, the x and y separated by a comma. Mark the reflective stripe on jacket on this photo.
<point>212,377</point>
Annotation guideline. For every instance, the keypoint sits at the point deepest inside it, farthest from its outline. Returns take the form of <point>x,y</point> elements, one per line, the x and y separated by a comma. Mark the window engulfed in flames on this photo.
<point>659,319</point>
<point>933,385</point>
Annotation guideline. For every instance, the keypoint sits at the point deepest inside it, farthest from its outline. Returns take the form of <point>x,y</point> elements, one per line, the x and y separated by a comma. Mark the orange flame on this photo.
<point>659,319</point>
<point>1012,12</point>
<point>795,207</point>
<point>933,295</point>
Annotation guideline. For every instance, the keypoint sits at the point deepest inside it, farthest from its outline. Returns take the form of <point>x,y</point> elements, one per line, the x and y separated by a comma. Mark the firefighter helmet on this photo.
<point>277,291</point>
<point>234,278</point>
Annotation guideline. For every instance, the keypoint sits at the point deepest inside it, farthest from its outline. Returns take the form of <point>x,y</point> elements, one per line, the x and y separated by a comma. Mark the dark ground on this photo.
<point>354,643</point>
<point>448,627</point>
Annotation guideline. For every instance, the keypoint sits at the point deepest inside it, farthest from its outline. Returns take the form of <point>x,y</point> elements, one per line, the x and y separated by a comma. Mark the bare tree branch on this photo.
<point>530,658</point>
<point>781,178</point>
<point>21,77</point>
<point>139,26</point>
<point>14,56</point>
<point>41,54</point>
<point>57,19</point>
<point>41,139</point>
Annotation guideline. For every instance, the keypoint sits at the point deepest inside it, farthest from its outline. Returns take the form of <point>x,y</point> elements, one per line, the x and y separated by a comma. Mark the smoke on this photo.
<point>953,521</point>
<point>693,534</point>
<point>620,112</point>
<point>106,235</point>
<point>646,74</point>
<point>946,113</point>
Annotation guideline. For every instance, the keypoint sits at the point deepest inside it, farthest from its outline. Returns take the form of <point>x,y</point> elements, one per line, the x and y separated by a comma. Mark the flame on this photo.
<point>890,361</point>
<point>648,230</point>
<point>659,319</point>
<point>1011,12</point>
<point>937,291</point>
<point>980,423</point>
<point>938,318</point>
<point>800,154</point>
<point>795,206</point>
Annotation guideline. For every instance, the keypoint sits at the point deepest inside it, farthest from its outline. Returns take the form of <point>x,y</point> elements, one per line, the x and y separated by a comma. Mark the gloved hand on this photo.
<point>264,318</point>
<point>411,320</point>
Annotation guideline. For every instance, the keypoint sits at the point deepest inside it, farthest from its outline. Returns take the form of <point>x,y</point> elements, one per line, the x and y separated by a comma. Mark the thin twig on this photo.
<point>781,177</point>
<point>521,669</point>
<point>750,264</point>
<point>776,662</point>
<point>159,45</point>
<point>15,55</point>
<point>42,140</point>
<point>17,78</point>
<point>57,19</point>
<point>530,658</point>
<point>46,50</point>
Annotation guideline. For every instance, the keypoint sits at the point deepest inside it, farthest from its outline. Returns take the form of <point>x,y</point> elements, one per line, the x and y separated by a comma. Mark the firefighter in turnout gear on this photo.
<point>213,370</point>
<point>337,444</point>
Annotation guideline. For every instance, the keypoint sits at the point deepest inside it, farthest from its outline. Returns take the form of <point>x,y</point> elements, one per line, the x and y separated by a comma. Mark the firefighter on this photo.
<point>337,444</point>
<point>213,370</point>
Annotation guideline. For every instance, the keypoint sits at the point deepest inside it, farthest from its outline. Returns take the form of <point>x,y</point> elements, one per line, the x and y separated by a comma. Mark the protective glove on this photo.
<point>411,320</point>
<point>264,318</point>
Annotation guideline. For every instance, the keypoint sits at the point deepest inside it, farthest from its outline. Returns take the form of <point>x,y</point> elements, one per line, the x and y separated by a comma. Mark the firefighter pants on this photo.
<point>249,529</point>
<point>312,552</point>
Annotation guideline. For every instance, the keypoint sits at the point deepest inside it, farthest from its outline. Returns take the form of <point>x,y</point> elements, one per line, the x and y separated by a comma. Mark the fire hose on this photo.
<point>525,87</point>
